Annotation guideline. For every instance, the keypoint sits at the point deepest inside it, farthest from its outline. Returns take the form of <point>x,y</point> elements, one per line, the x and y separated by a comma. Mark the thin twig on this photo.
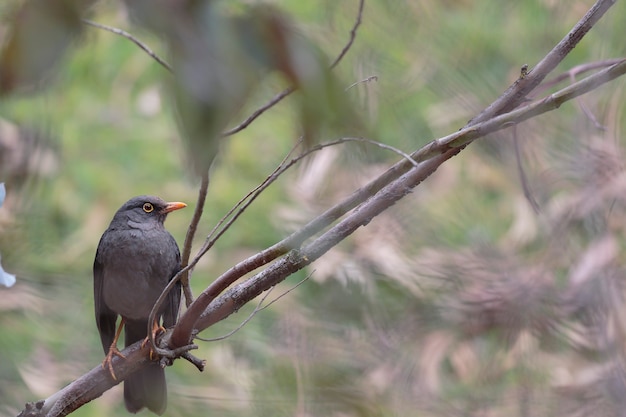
<point>517,92</point>
<point>274,101</point>
<point>302,281</point>
<point>522,174</point>
<point>284,165</point>
<point>286,92</point>
<point>571,75</point>
<point>260,307</point>
<point>398,179</point>
<point>228,219</point>
<point>133,39</point>
<point>243,323</point>
<point>363,81</point>
<point>197,362</point>
<point>574,71</point>
<point>384,146</point>
<point>347,47</point>
<point>585,109</point>
<point>443,146</point>
<point>191,232</point>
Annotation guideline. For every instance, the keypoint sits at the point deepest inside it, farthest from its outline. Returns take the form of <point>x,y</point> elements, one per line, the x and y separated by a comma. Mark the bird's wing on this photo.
<point>105,317</point>
<point>170,314</point>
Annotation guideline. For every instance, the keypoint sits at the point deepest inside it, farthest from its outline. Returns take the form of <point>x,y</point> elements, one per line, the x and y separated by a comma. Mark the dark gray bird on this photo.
<point>135,260</point>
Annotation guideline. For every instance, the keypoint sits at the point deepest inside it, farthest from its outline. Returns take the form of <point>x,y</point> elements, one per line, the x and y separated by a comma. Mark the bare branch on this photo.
<point>95,382</point>
<point>297,259</point>
<point>237,210</point>
<point>98,380</point>
<point>280,96</point>
<point>448,145</point>
<point>363,81</point>
<point>383,146</point>
<point>191,232</point>
<point>260,307</point>
<point>215,303</point>
<point>255,114</point>
<point>577,70</point>
<point>347,47</point>
<point>133,39</point>
<point>374,198</point>
<point>522,174</point>
<point>517,92</point>
<point>243,323</point>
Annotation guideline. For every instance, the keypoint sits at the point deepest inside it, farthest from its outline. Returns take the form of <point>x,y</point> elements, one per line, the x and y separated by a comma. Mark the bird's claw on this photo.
<point>108,359</point>
<point>156,330</point>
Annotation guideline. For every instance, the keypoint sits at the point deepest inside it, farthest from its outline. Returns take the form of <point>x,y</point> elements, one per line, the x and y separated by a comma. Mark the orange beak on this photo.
<point>174,206</point>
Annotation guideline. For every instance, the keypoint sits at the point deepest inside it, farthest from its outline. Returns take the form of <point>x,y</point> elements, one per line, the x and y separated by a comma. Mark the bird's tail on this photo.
<point>146,387</point>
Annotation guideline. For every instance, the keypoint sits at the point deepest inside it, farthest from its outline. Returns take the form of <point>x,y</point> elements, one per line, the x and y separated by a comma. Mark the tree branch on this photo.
<point>191,232</point>
<point>375,197</point>
<point>372,199</point>
<point>233,299</point>
<point>517,92</point>
<point>208,308</point>
<point>187,324</point>
<point>347,47</point>
<point>95,382</point>
<point>133,39</point>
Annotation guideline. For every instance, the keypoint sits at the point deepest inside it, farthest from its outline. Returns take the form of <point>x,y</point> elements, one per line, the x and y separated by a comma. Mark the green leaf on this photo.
<point>38,38</point>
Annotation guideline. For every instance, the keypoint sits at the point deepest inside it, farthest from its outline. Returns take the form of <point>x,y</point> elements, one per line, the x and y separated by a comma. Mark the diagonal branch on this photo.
<point>454,142</point>
<point>517,92</point>
<point>97,381</point>
<point>444,148</point>
<point>347,47</point>
<point>372,199</point>
<point>131,38</point>
<point>191,232</point>
<point>233,299</point>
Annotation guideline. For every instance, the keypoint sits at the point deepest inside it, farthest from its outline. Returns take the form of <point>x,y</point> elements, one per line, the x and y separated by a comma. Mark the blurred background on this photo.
<point>495,289</point>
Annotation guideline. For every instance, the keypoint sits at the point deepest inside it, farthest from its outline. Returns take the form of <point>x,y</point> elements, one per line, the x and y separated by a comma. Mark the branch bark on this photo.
<point>517,92</point>
<point>376,199</point>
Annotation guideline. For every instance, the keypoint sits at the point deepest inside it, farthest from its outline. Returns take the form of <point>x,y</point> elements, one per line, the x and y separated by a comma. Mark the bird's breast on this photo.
<point>137,265</point>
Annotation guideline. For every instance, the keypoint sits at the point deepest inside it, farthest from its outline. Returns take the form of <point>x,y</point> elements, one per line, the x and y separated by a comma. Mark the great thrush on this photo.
<point>135,260</point>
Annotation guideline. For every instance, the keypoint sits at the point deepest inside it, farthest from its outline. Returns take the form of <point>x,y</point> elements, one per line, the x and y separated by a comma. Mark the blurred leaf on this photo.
<point>41,32</point>
<point>270,38</point>
<point>219,57</point>
<point>212,80</point>
<point>212,75</point>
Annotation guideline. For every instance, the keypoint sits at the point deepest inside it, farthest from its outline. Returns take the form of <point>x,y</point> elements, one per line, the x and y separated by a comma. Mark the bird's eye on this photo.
<point>147,207</point>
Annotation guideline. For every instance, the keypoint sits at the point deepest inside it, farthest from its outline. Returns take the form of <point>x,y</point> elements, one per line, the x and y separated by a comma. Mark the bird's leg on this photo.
<point>113,350</point>
<point>156,329</point>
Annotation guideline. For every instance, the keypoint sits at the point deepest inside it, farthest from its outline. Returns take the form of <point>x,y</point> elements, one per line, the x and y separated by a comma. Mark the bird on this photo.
<point>135,260</point>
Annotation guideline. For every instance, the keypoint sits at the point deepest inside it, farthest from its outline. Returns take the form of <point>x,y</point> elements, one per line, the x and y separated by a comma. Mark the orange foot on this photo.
<point>113,350</point>
<point>156,329</point>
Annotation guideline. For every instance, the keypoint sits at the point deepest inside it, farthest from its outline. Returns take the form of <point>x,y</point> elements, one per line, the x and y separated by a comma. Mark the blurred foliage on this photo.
<point>460,301</point>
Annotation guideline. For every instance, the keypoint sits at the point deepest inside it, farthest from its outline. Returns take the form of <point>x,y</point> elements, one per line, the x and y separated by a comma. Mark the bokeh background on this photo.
<point>486,292</point>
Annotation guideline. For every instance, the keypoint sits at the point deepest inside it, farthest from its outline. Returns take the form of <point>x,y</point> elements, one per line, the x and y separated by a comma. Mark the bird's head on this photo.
<point>146,209</point>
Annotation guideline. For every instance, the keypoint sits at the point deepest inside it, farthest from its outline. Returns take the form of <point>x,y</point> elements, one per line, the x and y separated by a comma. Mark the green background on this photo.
<point>373,331</point>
